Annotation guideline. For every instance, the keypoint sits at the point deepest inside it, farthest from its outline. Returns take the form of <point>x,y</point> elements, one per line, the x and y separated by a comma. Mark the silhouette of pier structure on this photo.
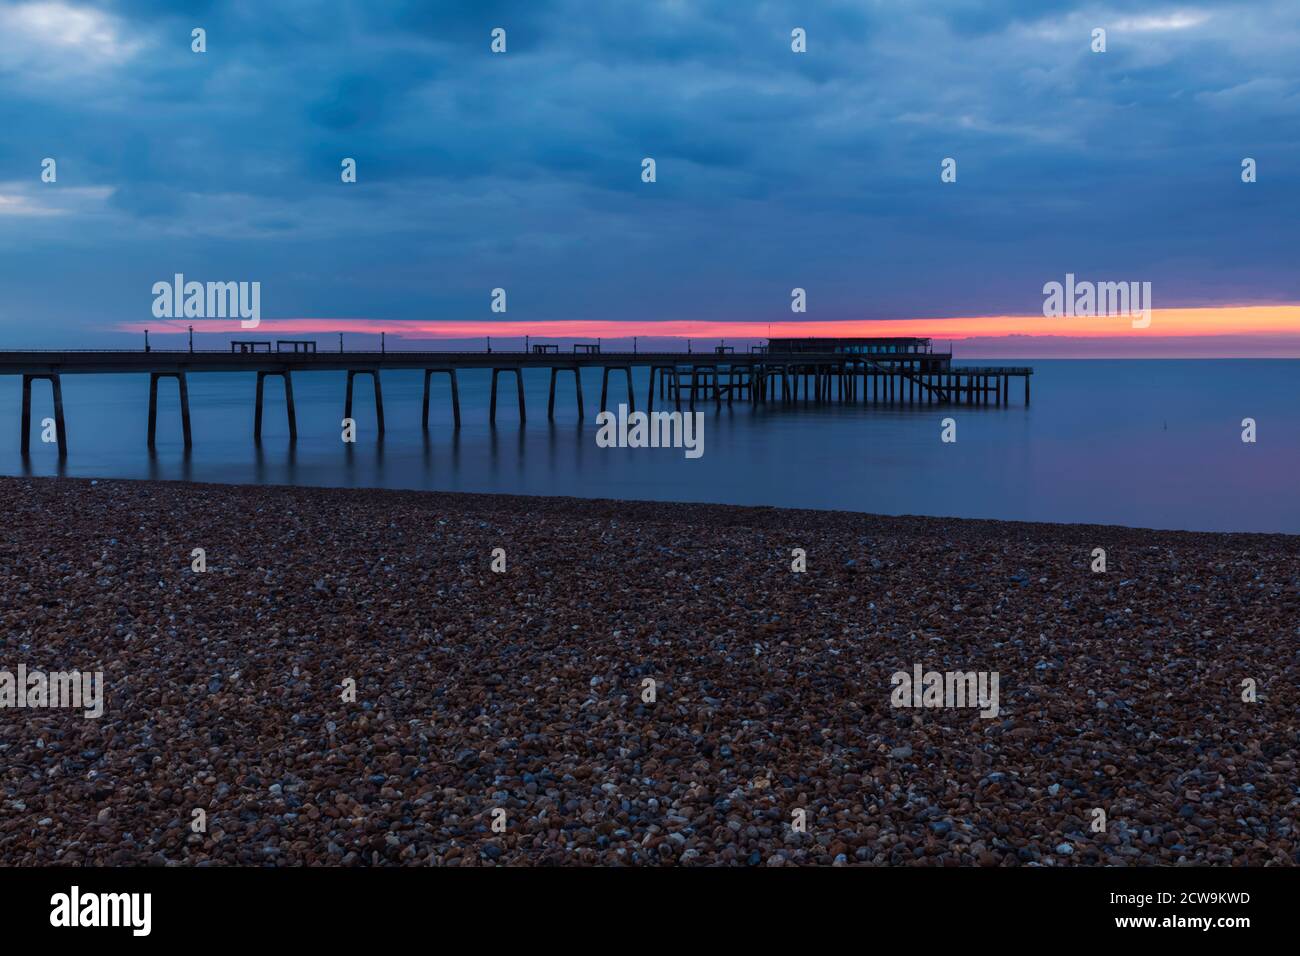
<point>872,371</point>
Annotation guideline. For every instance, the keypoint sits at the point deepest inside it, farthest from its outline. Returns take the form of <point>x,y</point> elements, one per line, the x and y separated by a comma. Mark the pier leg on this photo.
<point>424,415</point>
<point>61,433</point>
<point>153,407</point>
<point>604,387</point>
<point>455,396</point>
<point>577,387</point>
<point>257,410</point>
<point>184,389</point>
<point>677,387</point>
<point>347,401</point>
<point>492,411</point>
<point>519,384</point>
<point>1026,391</point>
<point>650,394</point>
<point>631,402</point>
<point>183,393</point>
<point>25,422</point>
<point>289,407</point>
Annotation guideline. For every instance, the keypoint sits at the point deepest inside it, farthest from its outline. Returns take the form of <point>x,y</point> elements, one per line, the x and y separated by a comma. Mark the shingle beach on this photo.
<point>523,691</point>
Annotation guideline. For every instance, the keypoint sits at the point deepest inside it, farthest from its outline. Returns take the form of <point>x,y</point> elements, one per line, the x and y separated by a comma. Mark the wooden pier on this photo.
<point>879,372</point>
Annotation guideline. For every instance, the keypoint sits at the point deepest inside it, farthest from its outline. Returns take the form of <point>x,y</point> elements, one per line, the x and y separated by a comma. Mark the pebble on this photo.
<point>522,690</point>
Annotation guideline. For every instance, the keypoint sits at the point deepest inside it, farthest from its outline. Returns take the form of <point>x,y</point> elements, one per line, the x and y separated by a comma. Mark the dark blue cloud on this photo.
<point>775,169</point>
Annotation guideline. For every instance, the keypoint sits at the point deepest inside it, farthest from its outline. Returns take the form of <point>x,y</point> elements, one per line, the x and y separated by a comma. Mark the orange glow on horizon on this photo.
<point>1248,320</point>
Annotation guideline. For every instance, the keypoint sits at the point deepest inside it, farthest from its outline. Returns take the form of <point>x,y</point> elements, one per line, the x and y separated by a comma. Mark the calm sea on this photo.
<point>1141,443</point>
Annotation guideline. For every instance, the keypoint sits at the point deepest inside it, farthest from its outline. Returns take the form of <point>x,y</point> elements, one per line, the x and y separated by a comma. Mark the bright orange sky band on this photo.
<point>1251,320</point>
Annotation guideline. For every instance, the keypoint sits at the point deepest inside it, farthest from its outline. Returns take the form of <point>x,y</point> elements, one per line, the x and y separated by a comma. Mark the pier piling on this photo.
<point>604,385</point>
<point>182,388</point>
<point>577,384</point>
<point>455,396</point>
<point>25,430</point>
<point>519,384</point>
<point>379,396</point>
<point>288,402</point>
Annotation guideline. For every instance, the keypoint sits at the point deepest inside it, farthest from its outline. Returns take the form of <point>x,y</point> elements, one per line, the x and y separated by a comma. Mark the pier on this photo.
<point>894,371</point>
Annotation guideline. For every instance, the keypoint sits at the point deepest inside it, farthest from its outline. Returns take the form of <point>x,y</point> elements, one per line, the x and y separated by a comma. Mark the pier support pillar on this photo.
<point>288,402</point>
<point>663,372</point>
<point>25,426</point>
<point>577,384</point>
<point>183,388</point>
<point>455,396</point>
<point>604,385</point>
<point>1026,391</point>
<point>379,395</point>
<point>519,386</point>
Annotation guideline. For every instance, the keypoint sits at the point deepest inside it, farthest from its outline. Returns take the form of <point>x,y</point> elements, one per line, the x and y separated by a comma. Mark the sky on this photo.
<point>775,170</point>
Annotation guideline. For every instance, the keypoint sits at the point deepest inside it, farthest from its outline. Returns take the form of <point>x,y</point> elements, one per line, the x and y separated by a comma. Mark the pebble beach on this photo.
<point>479,691</point>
